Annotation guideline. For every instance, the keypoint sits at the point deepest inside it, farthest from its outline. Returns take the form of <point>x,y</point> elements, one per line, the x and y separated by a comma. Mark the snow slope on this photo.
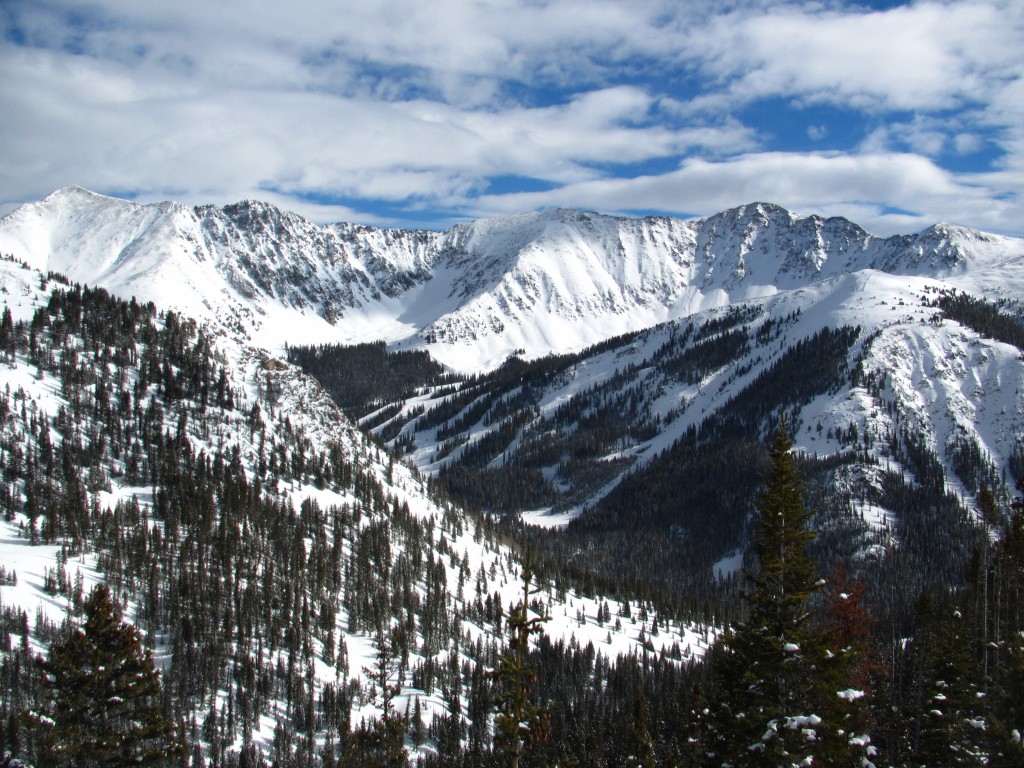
<point>295,408</point>
<point>544,282</point>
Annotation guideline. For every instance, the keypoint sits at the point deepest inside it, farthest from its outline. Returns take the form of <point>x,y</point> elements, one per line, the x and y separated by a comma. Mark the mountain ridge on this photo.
<point>552,281</point>
<point>897,363</point>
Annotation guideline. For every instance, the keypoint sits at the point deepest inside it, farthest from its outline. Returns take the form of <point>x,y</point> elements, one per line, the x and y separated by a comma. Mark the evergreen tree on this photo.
<point>638,742</point>
<point>520,722</point>
<point>770,693</point>
<point>943,705</point>
<point>382,743</point>
<point>1008,696</point>
<point>105,707</point>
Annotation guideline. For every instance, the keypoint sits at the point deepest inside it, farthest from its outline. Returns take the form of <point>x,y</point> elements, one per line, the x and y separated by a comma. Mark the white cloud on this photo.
<point>421,104</point>
<point>97,127</point>
<point>440,46</point>
<point>967,143</point>
<point>920,56</point>
<point>869,185</point>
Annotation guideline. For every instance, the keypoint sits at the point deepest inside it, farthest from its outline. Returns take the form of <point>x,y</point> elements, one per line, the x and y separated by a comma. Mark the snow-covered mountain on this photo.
<point>560,280</point>
<point>943,379</point>
<point>91,405</point>
<point>554,281</point>
<point>908,393</point>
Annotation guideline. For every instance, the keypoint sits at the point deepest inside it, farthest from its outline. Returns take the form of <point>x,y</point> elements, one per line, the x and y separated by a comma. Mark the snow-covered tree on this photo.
<point>105,706</point>
<point>771,694</point>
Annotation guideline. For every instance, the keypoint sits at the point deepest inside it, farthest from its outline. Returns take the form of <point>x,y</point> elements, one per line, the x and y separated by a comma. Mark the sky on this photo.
<point>424,114</point>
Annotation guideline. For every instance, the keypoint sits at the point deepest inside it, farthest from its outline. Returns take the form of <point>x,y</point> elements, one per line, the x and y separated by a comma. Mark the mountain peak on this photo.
<point>70,190</point>
<point>555,280</point>
<point>945,230</point>
<point>73,193</point>
<point>756,210</point>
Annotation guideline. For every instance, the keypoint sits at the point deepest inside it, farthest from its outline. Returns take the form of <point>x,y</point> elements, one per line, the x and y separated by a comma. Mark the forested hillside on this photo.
<point>306,599</point>
<point>642,453</point>
<point>771,516</point>
<point>911,597</point>
<point>305,603</point>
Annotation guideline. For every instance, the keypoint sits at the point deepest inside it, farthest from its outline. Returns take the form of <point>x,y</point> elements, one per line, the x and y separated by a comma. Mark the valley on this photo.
<point>309,460</point>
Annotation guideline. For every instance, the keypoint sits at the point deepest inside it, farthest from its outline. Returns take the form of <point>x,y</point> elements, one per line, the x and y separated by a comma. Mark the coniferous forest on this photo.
<point>241,590</point>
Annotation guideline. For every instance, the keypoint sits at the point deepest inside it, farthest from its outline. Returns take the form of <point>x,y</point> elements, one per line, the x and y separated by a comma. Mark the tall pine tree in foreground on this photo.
<point>105,697</point>
<point>520,721</point>
<point>775,679</point>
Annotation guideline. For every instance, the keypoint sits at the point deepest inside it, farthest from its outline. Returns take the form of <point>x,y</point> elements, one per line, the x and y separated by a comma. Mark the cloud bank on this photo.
<point>426,113</point>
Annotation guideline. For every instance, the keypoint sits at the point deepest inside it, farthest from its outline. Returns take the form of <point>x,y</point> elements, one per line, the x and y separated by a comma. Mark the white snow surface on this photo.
<point>553,281</point>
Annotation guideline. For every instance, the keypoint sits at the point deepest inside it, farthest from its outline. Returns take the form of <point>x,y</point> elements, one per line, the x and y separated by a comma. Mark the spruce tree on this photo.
<point>638,743</point>
<point>1008,696</point>
<point>952,723</point>
<point>105,697</point>
<point>770,693</point>
<point>520,722</point>
<point>383,741</point>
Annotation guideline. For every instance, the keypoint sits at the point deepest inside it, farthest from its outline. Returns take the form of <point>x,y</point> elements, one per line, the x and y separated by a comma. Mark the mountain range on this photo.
<point>610,380</point>
<point>560,281</point>
<point>554,281</point>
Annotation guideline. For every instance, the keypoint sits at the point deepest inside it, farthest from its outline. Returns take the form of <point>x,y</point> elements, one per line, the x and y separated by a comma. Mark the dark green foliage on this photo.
<point>948,718</point>
<point>363,376</point>
<point>703,357</point>
<point>972,465</point>
<point>105,706</point>
<point>997,619</point>
<point>982,316</point>
<point>785,574</point>
<point>810,367</point>
<point>499,489</point>
<point>956,696</point>
<point>520,722</point>
<point>638,745</point>
<point>1017,464</point>
<point>775,678</point>
<point>652,530</point>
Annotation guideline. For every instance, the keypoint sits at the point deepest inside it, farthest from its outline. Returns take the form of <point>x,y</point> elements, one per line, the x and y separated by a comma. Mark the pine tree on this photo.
<point>769,694</point>
<point>384,742</point>
<point>946,709</point>
<point>638,743</point>
<point>520,722</point>
<point>1008,698</point>
<point>1001,639</point>
<point>105,705</point>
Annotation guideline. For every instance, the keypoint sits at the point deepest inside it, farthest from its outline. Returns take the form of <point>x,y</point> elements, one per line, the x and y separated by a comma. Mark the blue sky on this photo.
<point>896,115</point>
